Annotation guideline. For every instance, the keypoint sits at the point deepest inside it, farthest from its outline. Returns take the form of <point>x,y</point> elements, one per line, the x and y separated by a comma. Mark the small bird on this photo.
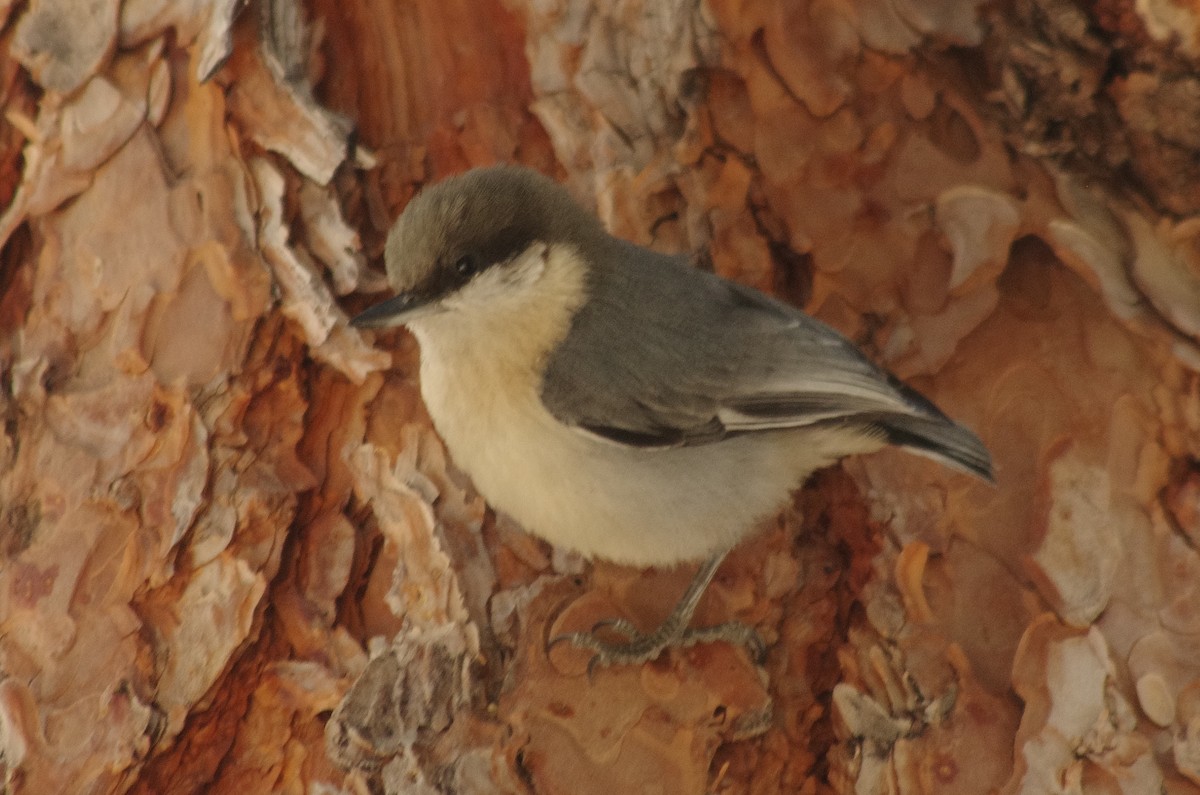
<point>620,402</point>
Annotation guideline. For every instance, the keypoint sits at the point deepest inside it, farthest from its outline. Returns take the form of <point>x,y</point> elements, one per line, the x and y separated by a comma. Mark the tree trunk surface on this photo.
<point>235,557</point>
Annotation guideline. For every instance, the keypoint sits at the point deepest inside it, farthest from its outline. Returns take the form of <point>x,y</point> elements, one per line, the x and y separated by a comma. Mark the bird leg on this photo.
<point>640,647</point>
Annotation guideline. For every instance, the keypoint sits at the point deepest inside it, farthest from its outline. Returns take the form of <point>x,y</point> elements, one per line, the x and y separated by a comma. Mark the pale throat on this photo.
<point>498,335</point>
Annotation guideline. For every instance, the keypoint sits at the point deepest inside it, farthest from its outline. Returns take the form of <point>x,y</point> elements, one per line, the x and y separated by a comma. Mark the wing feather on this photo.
<point>666,355</point>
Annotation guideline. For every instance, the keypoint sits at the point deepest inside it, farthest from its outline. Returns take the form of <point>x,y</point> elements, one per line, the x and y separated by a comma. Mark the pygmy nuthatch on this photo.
<point>620,402</point>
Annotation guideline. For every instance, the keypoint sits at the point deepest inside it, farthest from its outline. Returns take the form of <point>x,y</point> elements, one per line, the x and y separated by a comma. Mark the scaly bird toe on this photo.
<point>642,647</point>
<point>639,647</point>
<point>734,633</point>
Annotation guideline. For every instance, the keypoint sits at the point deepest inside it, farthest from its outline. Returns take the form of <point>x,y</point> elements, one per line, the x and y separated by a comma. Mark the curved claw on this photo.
<point>638,648</point>
<point>619,625</point>
<point>588,640</point>
<point>606,654</point>
<point>583,640</point>
<point>756,648</point>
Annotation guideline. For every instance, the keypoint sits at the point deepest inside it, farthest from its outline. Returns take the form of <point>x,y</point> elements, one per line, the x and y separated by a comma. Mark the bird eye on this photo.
<point>467,264</point>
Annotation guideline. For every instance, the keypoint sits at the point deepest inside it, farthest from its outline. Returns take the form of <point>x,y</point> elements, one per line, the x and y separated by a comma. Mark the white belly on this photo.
<point>628,505</point>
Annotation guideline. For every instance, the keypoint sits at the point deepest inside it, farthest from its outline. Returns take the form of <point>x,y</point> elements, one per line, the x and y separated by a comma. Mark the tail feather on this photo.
<point>941,439</point>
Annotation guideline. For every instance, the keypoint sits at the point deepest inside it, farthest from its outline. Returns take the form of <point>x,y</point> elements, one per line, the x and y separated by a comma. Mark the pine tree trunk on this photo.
<point>235,557</point>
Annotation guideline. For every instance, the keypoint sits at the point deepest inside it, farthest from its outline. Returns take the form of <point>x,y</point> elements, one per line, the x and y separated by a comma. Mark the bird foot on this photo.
<point>639,647</point>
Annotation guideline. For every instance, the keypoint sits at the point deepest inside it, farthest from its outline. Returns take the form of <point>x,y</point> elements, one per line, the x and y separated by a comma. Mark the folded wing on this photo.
<point>694,359</point>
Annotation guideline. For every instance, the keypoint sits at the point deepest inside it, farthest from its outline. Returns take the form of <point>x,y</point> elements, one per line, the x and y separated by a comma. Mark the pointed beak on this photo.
<point>395,311</point>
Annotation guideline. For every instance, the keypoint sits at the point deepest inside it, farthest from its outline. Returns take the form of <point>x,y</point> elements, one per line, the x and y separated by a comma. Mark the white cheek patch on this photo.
<point>507,282</point>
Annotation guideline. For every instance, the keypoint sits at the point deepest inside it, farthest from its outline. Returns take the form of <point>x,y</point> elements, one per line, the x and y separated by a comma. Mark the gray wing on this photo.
<point>667,355</point>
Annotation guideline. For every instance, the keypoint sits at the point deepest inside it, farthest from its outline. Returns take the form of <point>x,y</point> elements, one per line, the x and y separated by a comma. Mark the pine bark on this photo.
<point>235,557</point>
